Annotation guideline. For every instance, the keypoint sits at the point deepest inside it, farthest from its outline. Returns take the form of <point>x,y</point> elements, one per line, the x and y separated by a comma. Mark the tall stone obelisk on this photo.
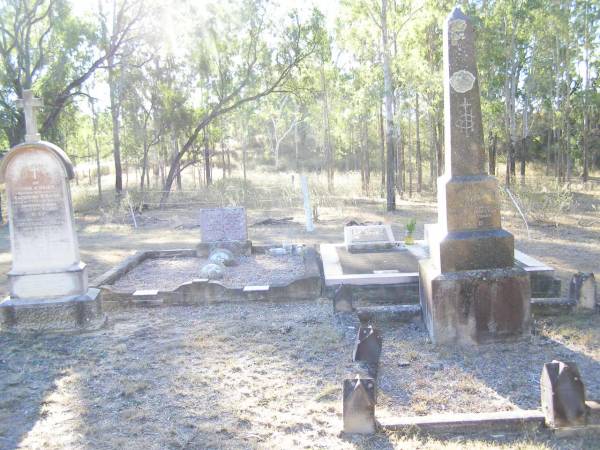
<point>471,291</point>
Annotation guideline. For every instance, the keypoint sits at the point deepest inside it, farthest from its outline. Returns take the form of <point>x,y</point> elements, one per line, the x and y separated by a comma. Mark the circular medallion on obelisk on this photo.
<point>462,81</point>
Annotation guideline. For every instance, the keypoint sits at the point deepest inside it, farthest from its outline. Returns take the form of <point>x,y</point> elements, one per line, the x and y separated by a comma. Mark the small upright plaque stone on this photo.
<point>471,291</point>
<point>48,282</point>
<point>223,228</point>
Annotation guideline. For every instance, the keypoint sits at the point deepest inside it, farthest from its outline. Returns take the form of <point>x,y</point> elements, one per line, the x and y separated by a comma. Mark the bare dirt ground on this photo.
<point>269,375</point>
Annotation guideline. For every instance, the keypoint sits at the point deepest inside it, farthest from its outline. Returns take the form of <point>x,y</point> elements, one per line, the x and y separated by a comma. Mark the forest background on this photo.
<point>162,97</point>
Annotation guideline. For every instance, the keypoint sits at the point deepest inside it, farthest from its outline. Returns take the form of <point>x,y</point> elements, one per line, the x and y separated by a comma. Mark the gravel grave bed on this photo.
<point>166,274</point>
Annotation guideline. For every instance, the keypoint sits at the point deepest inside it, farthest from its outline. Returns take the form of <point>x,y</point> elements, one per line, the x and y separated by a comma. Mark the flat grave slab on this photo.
<point>398,260</point>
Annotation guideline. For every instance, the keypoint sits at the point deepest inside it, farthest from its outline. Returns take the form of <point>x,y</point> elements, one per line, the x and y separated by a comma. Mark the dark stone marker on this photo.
<point>563,395</point>
<point>342,298</point>
<point>470,290</point>
<point>368,345</point>
<point>359,405</point>
<point>583,290</point>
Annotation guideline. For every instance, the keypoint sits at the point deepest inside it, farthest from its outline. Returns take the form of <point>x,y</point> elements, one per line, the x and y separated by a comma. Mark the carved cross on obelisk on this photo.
<point>29,104</point>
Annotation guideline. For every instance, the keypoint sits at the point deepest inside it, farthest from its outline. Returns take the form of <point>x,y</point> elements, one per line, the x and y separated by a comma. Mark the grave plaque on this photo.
<point>364,238</point>
<point>223,224</point>
<point>470,290</point>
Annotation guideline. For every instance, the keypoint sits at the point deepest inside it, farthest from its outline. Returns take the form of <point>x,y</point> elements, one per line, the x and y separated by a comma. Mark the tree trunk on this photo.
<point>382,148</point>
<point>327,132</point>
<point>586,87</point>
<point>97,145</point>
<point>389,114</point>
<point>116,132</point>
<point>418,148</point>
<point>492,154</point>
<point>509,154</point>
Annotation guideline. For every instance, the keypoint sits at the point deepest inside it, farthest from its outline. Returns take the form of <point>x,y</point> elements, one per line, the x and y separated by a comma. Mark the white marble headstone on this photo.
<point>45,251</point>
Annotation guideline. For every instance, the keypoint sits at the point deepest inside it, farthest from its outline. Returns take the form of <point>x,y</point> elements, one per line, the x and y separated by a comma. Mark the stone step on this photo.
<point>551,306</point>
<point>389,313</point>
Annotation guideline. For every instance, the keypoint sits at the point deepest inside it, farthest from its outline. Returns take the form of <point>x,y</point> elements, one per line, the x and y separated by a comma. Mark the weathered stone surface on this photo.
<point>223,224</point>
<point>471,235</point>
<point>368,238</point>
<point>474,307</point>
<point>462,110</point>
<point>583,290</point>
<point>470,290</point>
<point>368,345</point>
<point>359,405</point>
<point>44,246</point>
<point>222,256</point>
<point>563,395</point>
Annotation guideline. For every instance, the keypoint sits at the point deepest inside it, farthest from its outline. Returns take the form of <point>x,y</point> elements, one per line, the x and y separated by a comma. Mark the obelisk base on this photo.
<point>474,307</point>
<point>78,312</point>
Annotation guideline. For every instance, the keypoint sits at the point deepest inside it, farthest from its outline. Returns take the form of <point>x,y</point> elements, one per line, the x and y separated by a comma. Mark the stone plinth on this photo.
<point>48,282</point>
<point>474,307</point>
<point>57,314</point>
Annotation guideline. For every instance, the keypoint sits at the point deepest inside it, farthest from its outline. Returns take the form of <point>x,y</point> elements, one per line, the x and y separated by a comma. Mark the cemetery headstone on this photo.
<point>223,224</point>
<point>471,290</point>
<point>359,405</point>
<point>365,238</point>
<point>48,282</point>
<point>368,345</point>
<point>563,395</point>
<point>583,290</point>
<point>223,228</point>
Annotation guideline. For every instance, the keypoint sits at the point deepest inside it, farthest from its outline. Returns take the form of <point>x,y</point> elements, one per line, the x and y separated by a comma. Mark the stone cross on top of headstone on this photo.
<point>29,104</point>
<point>464,131</point>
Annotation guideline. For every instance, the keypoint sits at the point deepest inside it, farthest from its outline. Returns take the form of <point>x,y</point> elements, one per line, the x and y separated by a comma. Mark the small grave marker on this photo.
<point>359,405</point>
<point>563,395</point>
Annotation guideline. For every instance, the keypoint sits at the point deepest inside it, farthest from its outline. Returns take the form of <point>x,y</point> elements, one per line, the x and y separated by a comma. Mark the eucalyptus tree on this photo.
<point>44,47</point>
<point>237,64</point>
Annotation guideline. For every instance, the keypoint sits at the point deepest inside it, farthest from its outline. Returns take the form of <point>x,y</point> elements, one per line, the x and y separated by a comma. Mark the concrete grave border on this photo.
<point>202,291</point>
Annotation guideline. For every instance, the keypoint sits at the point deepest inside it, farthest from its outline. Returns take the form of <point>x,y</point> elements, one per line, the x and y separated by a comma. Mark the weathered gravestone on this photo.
<point>223,228</point>
<point>583,290</point>
<point>563,395</point>
<point>223,224</point>
<point>471,291</point>
<point>48,282</point>
<point>359,405</point>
